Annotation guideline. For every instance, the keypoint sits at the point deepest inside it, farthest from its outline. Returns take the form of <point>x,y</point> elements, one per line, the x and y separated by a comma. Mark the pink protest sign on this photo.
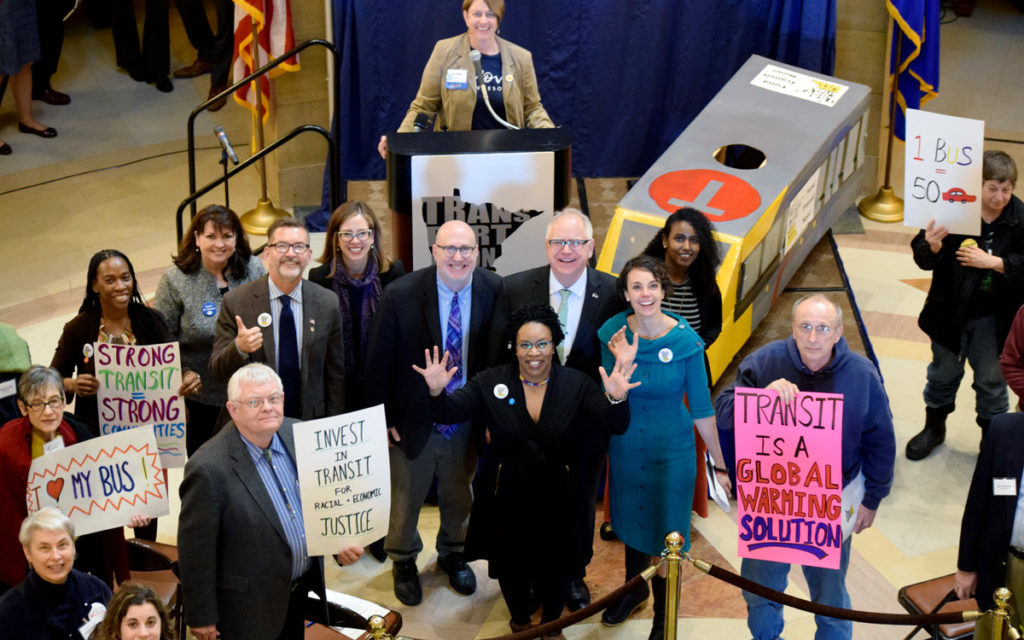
<point>789,477</point>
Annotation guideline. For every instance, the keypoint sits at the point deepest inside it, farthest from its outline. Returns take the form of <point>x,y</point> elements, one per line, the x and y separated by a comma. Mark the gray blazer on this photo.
<point>234,557</point>
<point>322,357</point>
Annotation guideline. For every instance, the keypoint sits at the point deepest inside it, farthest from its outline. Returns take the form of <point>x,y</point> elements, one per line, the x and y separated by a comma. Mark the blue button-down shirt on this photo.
<point>444,309</point>
<point>275,314</point>
<point>281,480</point>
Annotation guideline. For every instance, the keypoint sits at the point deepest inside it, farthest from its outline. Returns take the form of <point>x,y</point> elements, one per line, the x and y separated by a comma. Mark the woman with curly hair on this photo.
<point>134,613</point>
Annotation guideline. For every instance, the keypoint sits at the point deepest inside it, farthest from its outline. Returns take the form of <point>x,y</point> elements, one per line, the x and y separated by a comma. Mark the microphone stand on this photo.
<point>224,163</point>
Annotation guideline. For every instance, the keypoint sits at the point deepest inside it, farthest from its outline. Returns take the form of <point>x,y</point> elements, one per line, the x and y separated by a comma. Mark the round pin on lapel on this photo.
<point>500,391</point>
<point>264,320</point>
<point>665,355</point>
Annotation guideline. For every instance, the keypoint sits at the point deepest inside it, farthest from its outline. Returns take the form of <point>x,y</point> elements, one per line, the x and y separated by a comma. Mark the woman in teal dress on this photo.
<point>653,464</point>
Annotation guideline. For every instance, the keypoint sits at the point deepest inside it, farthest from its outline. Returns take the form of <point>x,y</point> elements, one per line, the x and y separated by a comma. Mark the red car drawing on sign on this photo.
<point>956,194</point>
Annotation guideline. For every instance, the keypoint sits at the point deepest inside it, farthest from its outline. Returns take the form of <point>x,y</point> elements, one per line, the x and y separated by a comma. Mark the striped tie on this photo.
<point>453,344</point>
<point>563,319</point>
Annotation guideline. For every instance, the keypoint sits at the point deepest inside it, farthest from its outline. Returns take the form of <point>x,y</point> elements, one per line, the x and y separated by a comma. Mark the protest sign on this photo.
<point>943,172</point>
<point>789,477</point>
<point>101,483</point>
<point>139,387</point>
<point>344,479</point>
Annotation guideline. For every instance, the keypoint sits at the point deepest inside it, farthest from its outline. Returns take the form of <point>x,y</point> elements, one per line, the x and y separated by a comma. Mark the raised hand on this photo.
<point>622,349</point>
<point>248,340</point>
<point>617,384</point>
<point>436,373</point>
<point>933,235</point>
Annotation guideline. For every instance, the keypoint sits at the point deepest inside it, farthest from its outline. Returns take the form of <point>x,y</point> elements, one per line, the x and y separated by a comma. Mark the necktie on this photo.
<point>563,319</point>
<point>453,344</point>
<point>288,360</point>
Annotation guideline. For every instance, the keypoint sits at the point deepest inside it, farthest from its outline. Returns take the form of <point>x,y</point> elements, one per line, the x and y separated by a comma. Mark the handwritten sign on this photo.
<point>943,172</point>
<point>139,387</point>
<point>344,479</point>
<point>789,477</point>
<point>101,483</point>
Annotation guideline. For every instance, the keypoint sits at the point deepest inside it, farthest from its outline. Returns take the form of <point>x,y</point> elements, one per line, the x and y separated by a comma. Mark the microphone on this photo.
<point>421,122</point>
<point>225,143</point>
<point>474,55</point>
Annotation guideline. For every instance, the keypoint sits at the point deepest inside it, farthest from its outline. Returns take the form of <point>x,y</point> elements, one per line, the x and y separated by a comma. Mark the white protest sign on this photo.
<point>101,483</point>
<point>139,386</point>
<point>344,479</point>
<point>943,172</point>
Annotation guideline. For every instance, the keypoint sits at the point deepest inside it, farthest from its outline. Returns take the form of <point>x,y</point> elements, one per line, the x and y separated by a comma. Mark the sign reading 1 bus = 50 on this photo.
<point>943,172</point>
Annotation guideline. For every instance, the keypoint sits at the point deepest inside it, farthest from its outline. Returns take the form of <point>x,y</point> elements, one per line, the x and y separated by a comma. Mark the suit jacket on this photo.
<point>322,357</point>
<point>600,302</point>
<point>988,519</point>
<point>234,557</point>
<point>406,323</point>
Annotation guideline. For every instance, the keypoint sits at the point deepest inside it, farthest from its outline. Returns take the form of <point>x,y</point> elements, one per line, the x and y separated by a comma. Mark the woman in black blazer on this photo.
<point>548,432</point>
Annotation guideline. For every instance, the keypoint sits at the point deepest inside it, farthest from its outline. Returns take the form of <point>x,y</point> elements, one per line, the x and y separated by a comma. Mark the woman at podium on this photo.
<point>451,94</point>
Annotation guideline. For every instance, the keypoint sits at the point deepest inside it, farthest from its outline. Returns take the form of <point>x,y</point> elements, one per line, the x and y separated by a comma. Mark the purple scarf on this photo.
<point>341,285</point>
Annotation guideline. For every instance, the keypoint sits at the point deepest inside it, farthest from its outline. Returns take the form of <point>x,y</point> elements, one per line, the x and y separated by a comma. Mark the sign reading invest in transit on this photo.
<point>789,477</point>
<point>139,387</point>
<point>344,479</point>
<point>100,483</point>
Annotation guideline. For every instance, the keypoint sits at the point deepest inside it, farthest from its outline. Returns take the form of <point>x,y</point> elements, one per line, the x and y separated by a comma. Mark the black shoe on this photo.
<point>407,582</point>
<point>163,83</point>
<point>933,434</point>
<point>460,575</point>
<point>48,132</point>
<point>5,149</point>
<point>579,594</point>
<point>621,610</point>
<point>607,533</point>
<point>376,549</point>
<point>49,96</point>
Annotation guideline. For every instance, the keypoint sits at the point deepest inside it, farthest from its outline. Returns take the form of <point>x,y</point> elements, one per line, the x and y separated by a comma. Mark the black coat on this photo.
<point>25,614</point>
<point>532,508</point>
<point>946,310</point>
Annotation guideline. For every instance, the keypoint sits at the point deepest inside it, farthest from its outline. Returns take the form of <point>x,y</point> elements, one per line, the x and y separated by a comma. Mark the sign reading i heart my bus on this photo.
<point>138,386</point>
<point>943,172</point>
<point>789,477</point>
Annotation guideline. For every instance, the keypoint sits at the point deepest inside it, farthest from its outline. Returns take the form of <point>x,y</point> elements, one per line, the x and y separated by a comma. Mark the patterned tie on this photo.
<point>563,319</point>
<point>453,344</point>
<point>288,360</point>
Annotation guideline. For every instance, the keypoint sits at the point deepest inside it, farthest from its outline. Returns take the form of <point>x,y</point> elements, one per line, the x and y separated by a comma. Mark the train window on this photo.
<point>740,156</point>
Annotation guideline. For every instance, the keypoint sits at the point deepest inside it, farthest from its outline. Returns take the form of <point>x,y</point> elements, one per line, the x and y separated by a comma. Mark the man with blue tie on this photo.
<point>451,305</point>
<point>293,328</point>
<point>245,572</point>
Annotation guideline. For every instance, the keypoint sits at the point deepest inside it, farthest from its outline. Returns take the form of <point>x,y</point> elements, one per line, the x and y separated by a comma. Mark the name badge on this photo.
<point>1004,486</point>
<point>456,79</point>
<point>53,445</point>
<point>8,388</point>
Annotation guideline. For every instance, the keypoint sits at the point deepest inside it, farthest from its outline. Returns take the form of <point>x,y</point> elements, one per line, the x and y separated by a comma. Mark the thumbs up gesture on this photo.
<point>248,340</point>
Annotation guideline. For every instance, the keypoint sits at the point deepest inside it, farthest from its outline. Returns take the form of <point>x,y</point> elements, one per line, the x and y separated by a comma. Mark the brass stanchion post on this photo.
<point>673,558</point>
<point>379,628</point>
<point>885,206</point>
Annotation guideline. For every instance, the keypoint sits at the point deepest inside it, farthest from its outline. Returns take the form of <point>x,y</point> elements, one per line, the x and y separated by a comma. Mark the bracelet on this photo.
<point>721,470</point>
<point>614,400</point>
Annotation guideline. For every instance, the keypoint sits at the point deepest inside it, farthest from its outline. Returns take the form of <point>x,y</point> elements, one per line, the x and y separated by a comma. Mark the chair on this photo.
<point>937,596</point>
<point>155,565</point>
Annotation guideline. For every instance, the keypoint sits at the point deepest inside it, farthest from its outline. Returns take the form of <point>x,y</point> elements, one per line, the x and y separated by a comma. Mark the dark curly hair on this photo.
<point>646,263</point>
<point>541,313</point>
<point>188,258</point>
<point>92,299</point>
<point>702,271</point>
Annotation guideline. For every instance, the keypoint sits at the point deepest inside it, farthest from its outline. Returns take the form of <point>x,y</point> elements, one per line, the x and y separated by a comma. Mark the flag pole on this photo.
<point>885,206</point>
<point>258,220</point>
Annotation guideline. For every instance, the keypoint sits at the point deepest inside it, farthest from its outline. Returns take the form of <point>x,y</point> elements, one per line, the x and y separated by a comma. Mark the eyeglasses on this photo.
<point>38,407</point>
<point>574,244</point>
<point>362,234</point>
<point>283,247</point>
<point>273,399</point>
<point>541,345</point>
<point>450,250</point>
<point>822,330</point>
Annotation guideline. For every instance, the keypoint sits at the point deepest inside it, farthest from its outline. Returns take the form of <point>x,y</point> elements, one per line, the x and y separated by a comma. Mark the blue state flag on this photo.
<point>914,55</point>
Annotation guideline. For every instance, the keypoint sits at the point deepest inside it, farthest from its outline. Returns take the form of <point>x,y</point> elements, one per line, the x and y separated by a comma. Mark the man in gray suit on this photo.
<point>583,298</point>
<point>241,541</point>
<point>292,327</point>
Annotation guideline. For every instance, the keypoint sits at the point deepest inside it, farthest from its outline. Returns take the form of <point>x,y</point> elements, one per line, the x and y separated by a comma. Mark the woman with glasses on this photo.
<point>45,427</point>
<point>653,465</point>
<point>548,431</point>
<point>213,258</point>
<point>356,269</point>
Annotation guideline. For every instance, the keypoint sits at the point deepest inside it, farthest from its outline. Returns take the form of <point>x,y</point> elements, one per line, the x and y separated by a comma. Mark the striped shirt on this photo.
<point>683,302</point>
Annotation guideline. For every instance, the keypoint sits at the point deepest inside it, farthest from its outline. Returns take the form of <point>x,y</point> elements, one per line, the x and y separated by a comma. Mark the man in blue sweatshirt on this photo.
<point>816,358</point>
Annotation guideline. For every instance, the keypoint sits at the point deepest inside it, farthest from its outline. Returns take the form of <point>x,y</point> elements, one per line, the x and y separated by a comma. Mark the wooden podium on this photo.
<point>505,184</point>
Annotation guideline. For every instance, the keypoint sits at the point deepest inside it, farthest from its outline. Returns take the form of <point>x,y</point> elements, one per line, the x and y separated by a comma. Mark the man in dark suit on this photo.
<point>241,541</point>
<point>990,537</point>
<point>451,305</point>
<point>583,297</point>
<point>308,354</point>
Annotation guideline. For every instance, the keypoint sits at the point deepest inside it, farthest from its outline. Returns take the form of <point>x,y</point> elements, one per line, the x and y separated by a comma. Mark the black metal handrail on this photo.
<point>333,137</point>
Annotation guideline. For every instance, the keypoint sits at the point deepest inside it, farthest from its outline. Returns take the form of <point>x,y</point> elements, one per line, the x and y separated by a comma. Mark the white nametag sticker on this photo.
<point>456,79</point>
<point>53,445</point>
<point>1004,486</point>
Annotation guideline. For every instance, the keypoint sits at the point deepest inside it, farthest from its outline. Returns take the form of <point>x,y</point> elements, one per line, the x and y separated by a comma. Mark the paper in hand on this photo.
<point>715,488</point>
